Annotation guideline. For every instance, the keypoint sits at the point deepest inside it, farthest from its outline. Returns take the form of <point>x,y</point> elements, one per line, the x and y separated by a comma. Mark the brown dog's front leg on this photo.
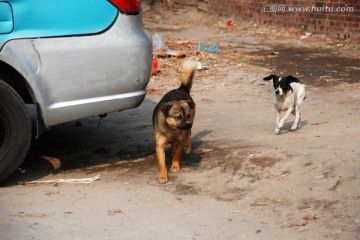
<point>187,146</point>
<point>175,165</point>
<point>160,156</point>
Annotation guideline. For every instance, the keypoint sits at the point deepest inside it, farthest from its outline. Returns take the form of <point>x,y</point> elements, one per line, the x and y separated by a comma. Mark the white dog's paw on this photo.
<point>277,131</point>
<point>294,127</point>
<point>280,124</point>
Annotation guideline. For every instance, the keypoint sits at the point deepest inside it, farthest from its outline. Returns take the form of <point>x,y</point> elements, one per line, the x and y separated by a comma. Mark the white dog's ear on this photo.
<point>292,79</point>
<point>273,77</point>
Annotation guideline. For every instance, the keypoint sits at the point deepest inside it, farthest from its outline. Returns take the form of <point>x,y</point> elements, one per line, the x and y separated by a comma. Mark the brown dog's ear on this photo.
<point>191,104</point>
<point>166,107</point>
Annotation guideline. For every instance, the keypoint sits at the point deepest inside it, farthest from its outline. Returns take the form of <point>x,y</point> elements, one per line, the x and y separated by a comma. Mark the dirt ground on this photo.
<point>240,181</point>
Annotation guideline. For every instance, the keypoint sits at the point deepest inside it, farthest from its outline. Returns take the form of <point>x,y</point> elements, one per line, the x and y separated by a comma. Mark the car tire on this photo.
<point>15,130</point>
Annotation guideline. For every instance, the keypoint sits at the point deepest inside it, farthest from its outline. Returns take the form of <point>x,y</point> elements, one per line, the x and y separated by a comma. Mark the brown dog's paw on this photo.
<point>162,179</point>
<point>175,168</point>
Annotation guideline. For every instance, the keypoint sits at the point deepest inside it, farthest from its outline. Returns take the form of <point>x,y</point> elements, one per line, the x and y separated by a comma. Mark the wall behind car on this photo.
<point>335,18</point>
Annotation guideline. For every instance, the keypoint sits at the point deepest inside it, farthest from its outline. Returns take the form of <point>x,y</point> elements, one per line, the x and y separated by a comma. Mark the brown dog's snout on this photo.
<point>186,125</point>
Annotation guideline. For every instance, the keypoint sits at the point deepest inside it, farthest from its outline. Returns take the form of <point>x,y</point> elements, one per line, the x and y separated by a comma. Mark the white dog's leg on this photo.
<point>297,119</point>
<point>286,115</point>
<point>278,115</point>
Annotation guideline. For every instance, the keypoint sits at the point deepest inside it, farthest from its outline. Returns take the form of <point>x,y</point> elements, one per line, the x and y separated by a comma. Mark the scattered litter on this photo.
<point>319,177</point>
<point>158,43</point>
<point>236,176</point>
<point>335,187</point>
<point>79,180</point>
<point>201,67</point>
<point>112,212</point>
<point>173,48</point>
<point>178,53</point>
<point>52,192</point>
<point>310,217</point>
<point>189,44</point>
<point>154,66</point>
<point>175,53</point>
<point>325,76</point>
<point>354,67</point>
<point>284,174</point>
<point>186,43</point>
<point>307,35</point>
<point>199,54</point>
<point>296,224</point>
<point>212,48</point>
<point>252,82</point>
<point>207,150</point>
<point>230,21</point>
<point>292,30</point>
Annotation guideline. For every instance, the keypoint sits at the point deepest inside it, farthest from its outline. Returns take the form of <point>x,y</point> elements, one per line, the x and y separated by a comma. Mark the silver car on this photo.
<point>72,60</point>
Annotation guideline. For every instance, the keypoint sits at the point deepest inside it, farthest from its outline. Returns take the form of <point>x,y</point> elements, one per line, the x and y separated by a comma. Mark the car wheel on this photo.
<point>15,130</point>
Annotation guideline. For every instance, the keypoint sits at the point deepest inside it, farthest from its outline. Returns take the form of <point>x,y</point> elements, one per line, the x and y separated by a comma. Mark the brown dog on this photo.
<point>173,118</point>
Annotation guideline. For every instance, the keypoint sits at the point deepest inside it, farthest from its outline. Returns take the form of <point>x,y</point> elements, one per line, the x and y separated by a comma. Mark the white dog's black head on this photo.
<point>281,84</point>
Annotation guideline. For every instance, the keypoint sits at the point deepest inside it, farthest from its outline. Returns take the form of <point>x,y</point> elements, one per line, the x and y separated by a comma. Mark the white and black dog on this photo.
<point>289,94</point>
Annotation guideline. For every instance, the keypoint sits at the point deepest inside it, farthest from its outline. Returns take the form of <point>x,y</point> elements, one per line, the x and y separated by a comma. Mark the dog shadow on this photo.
<point>194,158</point>
<point>287,126</point>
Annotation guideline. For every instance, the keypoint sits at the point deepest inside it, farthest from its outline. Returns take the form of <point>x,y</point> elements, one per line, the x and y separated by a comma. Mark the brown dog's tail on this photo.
<point>187,70</point>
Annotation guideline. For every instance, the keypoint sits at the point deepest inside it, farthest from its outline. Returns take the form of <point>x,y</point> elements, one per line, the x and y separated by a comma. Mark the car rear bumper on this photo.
<point>78,77</point>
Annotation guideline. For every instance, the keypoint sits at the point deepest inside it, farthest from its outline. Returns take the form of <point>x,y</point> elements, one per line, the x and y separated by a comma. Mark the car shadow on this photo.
<point>94,142</point>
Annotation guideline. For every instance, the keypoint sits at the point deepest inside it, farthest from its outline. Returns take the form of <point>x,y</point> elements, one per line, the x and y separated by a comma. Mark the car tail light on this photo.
<point>127,6</point>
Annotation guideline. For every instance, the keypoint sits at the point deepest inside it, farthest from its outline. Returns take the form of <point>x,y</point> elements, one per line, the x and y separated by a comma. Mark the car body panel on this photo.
<point>6,18</point>
<point>85,75</point>
<point>39,18</point>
